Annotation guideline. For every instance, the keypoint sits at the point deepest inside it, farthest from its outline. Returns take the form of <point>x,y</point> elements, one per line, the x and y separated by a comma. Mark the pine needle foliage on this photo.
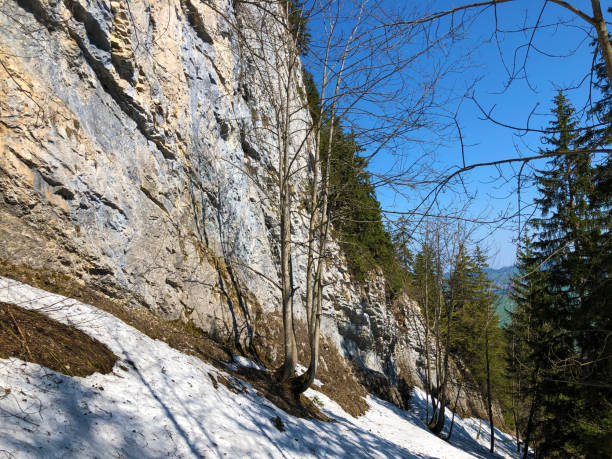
<point>563,321</point>
<point>353,208</point>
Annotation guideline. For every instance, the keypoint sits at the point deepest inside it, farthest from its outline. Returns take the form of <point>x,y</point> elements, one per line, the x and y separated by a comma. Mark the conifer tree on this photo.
<point>565,306</point>
<point>596,345</point>
<point>492,351</point>
<point>524,339</point>
<point>425,289</point>
<point>477,339</point>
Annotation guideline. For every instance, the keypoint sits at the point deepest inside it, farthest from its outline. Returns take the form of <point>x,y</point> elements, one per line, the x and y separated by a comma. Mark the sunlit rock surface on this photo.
<point>136,154</point>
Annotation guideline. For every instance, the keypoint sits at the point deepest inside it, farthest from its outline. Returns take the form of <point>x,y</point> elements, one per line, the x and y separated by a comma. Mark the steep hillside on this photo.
<point>501,277</point>
<point>137,159</point>
<point>164,403</point>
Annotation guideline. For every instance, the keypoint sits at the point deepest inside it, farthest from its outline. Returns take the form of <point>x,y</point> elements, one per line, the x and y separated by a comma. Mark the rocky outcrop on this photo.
<point>122,159</point>
<point>137,153</point>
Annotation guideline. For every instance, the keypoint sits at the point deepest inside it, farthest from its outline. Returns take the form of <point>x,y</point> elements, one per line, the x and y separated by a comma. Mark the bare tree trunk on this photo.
<point>310,374</point>
<point>304,381</point>
<point>517,429</point>
<point>435,405</point>
<point>439,425</point>
<point>489,402</point>
<point>450,430</point>
<point>290,349</point>
<point>314,199</point>
<point>516,393</point>
<point>428,385</point>
<point>427,356</point>
<point>307,379</point>
<point>529,429</point>
<point>438,408</point>
<point>311,236</point>
<point>441,416</point>
<point>602,37</point>
<point>444,369</point>
<point>532,410</point>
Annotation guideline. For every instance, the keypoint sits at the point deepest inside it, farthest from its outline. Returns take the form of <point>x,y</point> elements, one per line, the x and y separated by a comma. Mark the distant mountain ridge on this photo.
<point>502,278</point>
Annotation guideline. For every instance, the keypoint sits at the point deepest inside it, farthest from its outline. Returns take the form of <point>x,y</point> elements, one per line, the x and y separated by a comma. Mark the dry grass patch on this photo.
<point>34,337</point>
<point>281,395</point>
<point>182,336</point>
<point>340,383</point>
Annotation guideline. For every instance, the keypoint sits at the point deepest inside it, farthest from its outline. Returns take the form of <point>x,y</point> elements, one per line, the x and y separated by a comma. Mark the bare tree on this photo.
<point>270,57</point>
<point>359,64</point>
<point>363,65</point>
<point>595,20</point>
<point>461,19</point>
<point>437,241</point>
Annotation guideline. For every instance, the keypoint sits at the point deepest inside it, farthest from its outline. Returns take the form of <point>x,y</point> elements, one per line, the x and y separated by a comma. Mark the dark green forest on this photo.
<point>559,348</point>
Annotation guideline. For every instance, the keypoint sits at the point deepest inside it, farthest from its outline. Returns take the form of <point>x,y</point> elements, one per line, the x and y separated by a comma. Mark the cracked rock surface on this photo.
<point>136,155</point>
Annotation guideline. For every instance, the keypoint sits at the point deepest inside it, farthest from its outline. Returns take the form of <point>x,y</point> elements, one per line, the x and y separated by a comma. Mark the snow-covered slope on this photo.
<point>159,402</point>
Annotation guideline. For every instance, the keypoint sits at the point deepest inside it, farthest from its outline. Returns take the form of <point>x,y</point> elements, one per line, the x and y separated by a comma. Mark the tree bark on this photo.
<point>517,430</point>
<point>307,379</point>
<point>516,393</point>
<point>427,357</point>
<point>602,37</point>
<point>439,425</point>
<point>290,347</point>
<point>489,401</point>
<point>532,410</point>
<point>438,353</point>
<point>314,307</point>
<point>318,280</point>
<point>450,430</point>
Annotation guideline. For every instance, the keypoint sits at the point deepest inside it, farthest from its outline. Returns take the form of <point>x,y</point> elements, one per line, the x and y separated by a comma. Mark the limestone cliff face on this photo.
<point>137,154</point>
<point>124,153</point>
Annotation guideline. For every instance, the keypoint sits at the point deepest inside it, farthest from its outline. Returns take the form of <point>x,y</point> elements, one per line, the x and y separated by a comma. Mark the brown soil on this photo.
<point>179,335</point>
<point>184,337</point>
<point>33,337</point>
<point>340,382</point>
<point>281,395</point>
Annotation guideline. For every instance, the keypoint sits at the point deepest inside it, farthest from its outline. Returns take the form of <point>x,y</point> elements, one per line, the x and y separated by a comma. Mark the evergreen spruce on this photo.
<point>298,24</point>
<point>525,344</point>
<point>595,344</point>
<point>353,207</point>
<point>563,302</point>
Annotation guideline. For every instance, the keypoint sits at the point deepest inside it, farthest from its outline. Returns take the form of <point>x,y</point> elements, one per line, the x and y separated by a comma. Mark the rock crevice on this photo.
<point>125,164</point>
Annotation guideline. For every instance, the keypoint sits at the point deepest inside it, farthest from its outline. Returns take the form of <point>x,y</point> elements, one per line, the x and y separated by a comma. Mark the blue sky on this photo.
<point>487,142</point>
<point>480,67</point>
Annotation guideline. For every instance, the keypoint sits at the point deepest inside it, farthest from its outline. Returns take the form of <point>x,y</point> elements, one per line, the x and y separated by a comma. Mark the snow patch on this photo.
<point>247,363</point>
<point>159,402</point>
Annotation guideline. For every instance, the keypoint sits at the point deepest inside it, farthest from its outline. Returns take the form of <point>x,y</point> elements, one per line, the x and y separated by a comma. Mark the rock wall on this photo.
<point>124,151</point>
<point>138,153</point>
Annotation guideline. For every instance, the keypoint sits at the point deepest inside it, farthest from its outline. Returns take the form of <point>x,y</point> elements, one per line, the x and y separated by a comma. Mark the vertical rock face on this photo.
<point>139,152</point>
<point>125,153</point>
